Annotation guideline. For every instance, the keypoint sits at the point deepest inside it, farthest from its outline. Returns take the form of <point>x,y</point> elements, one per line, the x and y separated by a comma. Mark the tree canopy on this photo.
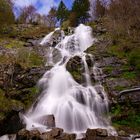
<point>62,12</point>
<point>81,9</point>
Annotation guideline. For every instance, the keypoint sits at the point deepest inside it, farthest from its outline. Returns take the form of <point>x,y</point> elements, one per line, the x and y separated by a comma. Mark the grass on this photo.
<point>11,43</point>
<point>108,69</point>
<point>25,57</point>
<point>120,88</point>
<point>132,121</point>
<point>28,58</point>
<point>129,75</point>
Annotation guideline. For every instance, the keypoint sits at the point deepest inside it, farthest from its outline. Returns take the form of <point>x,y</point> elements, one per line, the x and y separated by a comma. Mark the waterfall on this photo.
<point>75,107</point>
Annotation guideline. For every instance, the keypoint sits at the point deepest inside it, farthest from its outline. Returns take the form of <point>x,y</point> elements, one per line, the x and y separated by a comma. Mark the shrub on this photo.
<point>6,14</point>
<point>134,59</point>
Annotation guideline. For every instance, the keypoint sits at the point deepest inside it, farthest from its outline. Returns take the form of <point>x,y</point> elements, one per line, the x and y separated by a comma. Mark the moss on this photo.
<point>127,118</point>
<point>114,50</point>
<point>120,88</point>
<point>11,43</point>
<point>34,31</point>
<point>30,97</point>
<point>93,25</point>
<point>132,122</point>
<point>108,69</point>
<point>76,75</point>
<point>91,49</point>
<point>29,58</point>
<point>134,60</point>
<point>129,75</point>
<point>7,104</point>
<point>24,57</point>
<point>116,110</point>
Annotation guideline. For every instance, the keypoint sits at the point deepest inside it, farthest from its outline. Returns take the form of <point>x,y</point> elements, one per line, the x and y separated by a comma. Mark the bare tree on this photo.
<point>27,14</point>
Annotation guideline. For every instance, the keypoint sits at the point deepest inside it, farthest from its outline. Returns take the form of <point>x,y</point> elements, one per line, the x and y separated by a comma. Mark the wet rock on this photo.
<point>23,135</point>
<point>92,134</point>
<point>11,123</point>
<point>53,134</point>
<point>67,137</point>
<point>75,67</point>
<point>48,120</point>
<point>89,61</point>
<point>109,61</point>
<point>28,135</point>
<point>54,40</point>
<point>101,132</point>
<point>34,134</point>
<point>122,133</point>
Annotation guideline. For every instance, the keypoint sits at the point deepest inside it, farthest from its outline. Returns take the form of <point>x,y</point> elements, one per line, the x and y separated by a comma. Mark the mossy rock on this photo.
<point>11,43</point>
<point>75,67</point>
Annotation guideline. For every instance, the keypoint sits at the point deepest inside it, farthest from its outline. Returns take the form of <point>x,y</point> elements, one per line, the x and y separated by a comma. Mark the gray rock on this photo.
<point>48,120</point>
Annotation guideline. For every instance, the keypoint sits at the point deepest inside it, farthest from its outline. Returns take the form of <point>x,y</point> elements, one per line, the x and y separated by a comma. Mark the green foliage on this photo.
<point>129,75</point>
<point>134,59</point>
<point>115,50</point>
<point>27,58</point>
<point>10,43</point>
<point>120,88</point>
<point>24,57</point>
<point>6,14</point>
<point>34,31</point>
<point>65,25</point>
<point>116,110</point>
<point>132,121</point>
<point>62,12</point>
<point>29,98</point>
<point>81,8</point>
<point>108,69</point>
<point>7,104</point>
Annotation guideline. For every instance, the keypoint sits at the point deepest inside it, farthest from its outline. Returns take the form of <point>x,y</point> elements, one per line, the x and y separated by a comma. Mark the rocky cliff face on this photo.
<point>21,67</point>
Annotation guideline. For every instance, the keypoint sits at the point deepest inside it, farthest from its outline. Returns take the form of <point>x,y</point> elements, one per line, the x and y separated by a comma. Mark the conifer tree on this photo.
<point>62,12</point>
<point>81,9</point>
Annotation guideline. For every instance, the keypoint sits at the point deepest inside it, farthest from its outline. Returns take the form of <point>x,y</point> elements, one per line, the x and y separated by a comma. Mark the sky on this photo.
<point>42,6</point>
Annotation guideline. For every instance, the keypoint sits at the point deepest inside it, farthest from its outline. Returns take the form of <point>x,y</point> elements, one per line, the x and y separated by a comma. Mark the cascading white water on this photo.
<point>75,107</point>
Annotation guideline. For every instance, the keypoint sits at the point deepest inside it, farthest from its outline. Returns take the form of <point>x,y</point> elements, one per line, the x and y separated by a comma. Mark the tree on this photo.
<point>81,9</point>
<point>51,17</point>
<point>62,12</point>
<point>27,14</point>
<point>99,9</point>
<point>72,19</point>
<point>6,13</point>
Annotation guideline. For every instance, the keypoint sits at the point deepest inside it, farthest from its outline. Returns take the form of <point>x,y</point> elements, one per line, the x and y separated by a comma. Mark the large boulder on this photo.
<point>11,123</point>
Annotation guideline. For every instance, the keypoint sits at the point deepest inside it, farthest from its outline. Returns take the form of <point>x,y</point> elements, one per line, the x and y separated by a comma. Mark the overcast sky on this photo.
<point>42,6</point>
